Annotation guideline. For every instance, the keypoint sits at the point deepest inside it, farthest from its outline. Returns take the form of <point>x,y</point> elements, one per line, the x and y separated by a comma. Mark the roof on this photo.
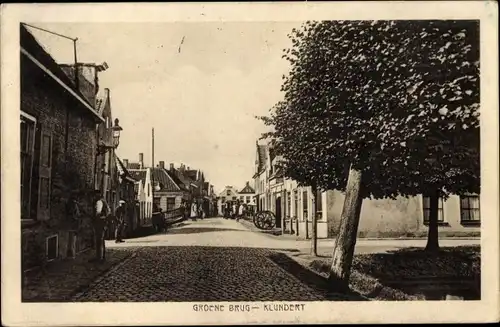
<point>100,101</point>
<point>177,180</point>
<point>247,190</point>
<point>161,177</point>
<point>261,157</point>
<point>122,170</point>
<point>37,54</point>
<point>134,165</point>
<point>192,174</point>
<point>272,153</point>
<point>184,179</point>
<point>138,174</point>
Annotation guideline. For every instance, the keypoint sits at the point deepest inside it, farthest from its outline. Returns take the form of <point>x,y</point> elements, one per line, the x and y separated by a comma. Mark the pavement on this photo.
<point>220,232</point>
<point>212,259</point>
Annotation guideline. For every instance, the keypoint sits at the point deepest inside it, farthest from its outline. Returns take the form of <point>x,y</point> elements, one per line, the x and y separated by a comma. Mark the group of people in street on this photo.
<point>235,210</point>
<point>194,210</point>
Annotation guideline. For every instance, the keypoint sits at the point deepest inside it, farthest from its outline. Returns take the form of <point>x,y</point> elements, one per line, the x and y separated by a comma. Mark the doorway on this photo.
<point>278,211</point>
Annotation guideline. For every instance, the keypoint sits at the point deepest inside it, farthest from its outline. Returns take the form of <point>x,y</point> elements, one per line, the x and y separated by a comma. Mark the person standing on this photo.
<point>194,211</point>
<point>120,213</point>
<point>100,221</point>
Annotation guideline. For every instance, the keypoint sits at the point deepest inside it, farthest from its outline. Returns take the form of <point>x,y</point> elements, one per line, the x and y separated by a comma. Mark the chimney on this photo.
<point>248,183</point>
<point>162,164</point>
<point>87,78</point>
<point>188,168</point>
<point>141,160</point>
<point>181,168</point>
<point>125,163</point>
<point>171,166</point>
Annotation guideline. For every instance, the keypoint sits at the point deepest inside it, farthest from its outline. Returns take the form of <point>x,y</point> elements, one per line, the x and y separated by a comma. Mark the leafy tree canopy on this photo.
<point>398,100</point>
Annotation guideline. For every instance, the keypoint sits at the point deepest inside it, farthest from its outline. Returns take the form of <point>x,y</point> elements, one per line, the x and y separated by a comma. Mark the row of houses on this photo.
<point>168,188</point>
<point>403,217</point>
<point>68,140</point>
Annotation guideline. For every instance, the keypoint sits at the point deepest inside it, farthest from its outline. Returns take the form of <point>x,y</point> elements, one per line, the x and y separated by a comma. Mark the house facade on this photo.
<point>229,193</point>
<point>385,218</point>
<point>58,158</point>
<point>127,193</point>
<point>167,193</point>
<point>143,189</point>
<point>247,194</point>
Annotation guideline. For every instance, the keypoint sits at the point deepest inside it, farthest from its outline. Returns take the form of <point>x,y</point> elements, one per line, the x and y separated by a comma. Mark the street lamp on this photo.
<point>116,133</point>
<point>116,130</point>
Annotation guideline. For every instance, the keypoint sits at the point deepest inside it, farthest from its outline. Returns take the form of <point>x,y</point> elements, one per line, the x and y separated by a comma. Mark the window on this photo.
<point>45,175</point>
<point>304,204</point>
<point>248,199</point>
<point>241,198</point>
<point>170,203</point>
<point>427,203</point>
<point>228,193</point>
<point>223,199</point>
<point>156,202</point>
<point>288,203</point>
<point>27,129</point>
<point>469,209</point>
<point>51,247</point>
<point>319,202</point>
<point>234,198</point>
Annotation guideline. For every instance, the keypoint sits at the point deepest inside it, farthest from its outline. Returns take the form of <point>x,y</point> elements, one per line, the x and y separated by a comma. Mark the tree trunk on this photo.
<point>433,236</point>
<point>314,222</point>
<point>345,242</point>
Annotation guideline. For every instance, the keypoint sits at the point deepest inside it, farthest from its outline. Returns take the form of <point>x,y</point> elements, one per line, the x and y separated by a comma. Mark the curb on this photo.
<point>101,277</point>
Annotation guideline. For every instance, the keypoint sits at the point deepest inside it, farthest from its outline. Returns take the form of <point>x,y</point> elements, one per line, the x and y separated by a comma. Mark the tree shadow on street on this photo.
<point>314,280</point>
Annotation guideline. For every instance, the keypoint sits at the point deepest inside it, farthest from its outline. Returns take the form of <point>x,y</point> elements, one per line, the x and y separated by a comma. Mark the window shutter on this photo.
<point>44,175</point>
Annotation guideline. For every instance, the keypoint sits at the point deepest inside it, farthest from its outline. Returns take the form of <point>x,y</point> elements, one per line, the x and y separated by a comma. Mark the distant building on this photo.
<point>229,193</point>
<point>168,194</point>
<point>143,189</point>
<point>247,194</point>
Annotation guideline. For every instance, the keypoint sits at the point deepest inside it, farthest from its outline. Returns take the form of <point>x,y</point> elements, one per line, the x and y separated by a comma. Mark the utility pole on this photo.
<point>153,148</point>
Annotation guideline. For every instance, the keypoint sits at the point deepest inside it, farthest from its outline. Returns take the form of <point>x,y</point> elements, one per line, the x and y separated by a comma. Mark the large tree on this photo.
<point>380,109</point>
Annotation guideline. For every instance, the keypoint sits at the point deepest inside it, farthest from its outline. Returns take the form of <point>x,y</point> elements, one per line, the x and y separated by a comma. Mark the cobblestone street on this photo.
<point>205,270</point>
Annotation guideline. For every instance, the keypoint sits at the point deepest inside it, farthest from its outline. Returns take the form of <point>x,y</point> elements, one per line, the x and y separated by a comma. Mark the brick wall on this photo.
<point>48,102</point>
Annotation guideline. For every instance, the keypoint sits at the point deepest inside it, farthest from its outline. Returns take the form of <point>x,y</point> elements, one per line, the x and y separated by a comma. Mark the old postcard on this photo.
<point>244,163</point>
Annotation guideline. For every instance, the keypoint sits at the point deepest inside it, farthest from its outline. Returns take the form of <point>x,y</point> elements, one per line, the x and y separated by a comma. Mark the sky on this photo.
<point>199,85</point>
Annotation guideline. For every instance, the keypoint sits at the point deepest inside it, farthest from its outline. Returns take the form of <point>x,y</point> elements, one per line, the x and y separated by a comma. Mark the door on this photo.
<point>278,211</point>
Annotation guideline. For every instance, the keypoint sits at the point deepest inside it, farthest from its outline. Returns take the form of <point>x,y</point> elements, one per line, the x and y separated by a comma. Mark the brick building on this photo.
<point>58,158</point>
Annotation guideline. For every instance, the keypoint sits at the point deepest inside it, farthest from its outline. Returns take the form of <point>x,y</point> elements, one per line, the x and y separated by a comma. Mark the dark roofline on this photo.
<point>37,54</point>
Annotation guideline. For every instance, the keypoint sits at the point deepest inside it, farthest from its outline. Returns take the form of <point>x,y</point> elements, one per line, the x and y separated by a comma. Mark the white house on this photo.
<point>144,189</point>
